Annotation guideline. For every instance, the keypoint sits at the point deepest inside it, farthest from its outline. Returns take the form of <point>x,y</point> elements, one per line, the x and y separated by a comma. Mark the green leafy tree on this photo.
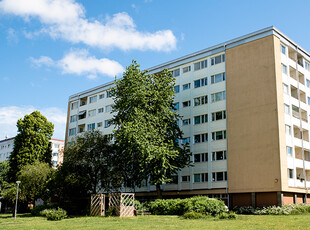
<point>31,143</point>
<point>4,171</point>
<point>87,167</point>
<point>147,133</point>
<point>33,179</point>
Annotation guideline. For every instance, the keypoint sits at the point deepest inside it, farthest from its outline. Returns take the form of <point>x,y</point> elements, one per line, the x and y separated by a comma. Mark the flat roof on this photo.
<point>200,54</point>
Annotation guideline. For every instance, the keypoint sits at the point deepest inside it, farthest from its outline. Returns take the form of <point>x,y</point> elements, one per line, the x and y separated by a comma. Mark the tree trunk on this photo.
<point>159,192</point>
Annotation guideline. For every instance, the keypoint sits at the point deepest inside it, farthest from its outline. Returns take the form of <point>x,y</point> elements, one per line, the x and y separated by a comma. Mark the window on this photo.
<point>219,135</point>
<point>90,127</point>
<point>200,138</point>
<point>176,106</point>
<point>217,78</point>
<point>308,100</point>
<point>186,178</point>
<point>200,65</point>
<point>200,177</point>
<point>74,105</point>
<point>107,123</point>
<point>186,86</point>
<point>175,73</point>
<point>289,151</point>
<point>283,50</point>
<point>99,124</point>
<point>219,176</point>
<point>56,146</point>
<point>200,100</point>
<point>55,154</point>
<point>186,140</point>
<point>92,99</point>
<point>284,69</point>
<point>201,119</point>
<point>218,96</point>
<point>54,163</point>
<point>100,110</point>
<point>290,173</point>
<point>218,59</point>
<point>186,104</point>
<point>109,93</point>
<point>201,82</point>
<point>101,96</point>
<point>308,83</point>
<point>72,132</point>
<point>186,69</point>
<point>92,113</point>
<point>108,108</point>
<point>285,88</point>
<point>219,155</point>
<point>73,118</point>
<point>307,66</point>
<point>219,115</point>
<point>186,122</point>
<point>287,108</point>
<point>177,89</point>
<point>288,130</point>
<point>200,157</point>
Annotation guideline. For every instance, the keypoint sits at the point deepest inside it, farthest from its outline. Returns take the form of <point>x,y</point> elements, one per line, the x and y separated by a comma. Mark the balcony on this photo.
<point>83,101</point>
<point>301,134</point>
<point>298,77</point>
<point>294,94</point>
<point>81,128</point>
<point>82,114</point>
<point>303,113</point>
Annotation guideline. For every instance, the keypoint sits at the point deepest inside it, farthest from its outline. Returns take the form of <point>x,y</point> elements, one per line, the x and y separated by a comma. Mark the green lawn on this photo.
<point>157,222</point>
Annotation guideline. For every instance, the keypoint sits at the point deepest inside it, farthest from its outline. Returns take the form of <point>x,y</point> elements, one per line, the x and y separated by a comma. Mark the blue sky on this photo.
<point>51,49</point>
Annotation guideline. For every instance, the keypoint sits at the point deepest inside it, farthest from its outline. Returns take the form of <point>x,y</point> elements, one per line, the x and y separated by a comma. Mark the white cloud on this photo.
<point>81,63</point>
<point>9,116</point>
<point>66,19</point>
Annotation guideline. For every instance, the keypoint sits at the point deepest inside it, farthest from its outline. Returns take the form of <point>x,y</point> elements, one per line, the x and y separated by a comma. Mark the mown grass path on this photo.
<point>157,222</point>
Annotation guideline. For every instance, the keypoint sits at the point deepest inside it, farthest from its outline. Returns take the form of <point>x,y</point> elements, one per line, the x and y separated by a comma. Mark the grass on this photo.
<point>157,222</point>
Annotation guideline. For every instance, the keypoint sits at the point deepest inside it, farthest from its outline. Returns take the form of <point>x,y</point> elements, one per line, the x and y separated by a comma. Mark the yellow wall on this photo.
<point>254,97</point>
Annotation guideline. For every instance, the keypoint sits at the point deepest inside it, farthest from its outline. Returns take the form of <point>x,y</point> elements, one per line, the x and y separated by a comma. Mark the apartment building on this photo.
<point>6,148</point>
<point>245,105</point>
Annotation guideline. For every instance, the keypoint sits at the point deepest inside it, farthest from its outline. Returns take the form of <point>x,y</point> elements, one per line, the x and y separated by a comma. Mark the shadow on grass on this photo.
<point>23,215</point>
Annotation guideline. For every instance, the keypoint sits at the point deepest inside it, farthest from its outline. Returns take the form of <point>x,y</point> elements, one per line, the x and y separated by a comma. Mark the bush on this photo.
<point>193,215</point>
<point>230,215</point>
<point>198,204</point>
<point>36,211</point>
<point>55,214</point>
<point>275,210</point>
<point>110,212</point>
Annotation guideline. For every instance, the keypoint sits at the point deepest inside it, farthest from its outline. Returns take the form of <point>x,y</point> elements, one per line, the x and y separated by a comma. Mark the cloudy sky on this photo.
<point>51,49</point>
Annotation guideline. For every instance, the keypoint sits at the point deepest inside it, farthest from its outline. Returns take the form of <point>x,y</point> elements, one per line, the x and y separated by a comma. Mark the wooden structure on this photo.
<point>97,205</point>
<point>123,203</point>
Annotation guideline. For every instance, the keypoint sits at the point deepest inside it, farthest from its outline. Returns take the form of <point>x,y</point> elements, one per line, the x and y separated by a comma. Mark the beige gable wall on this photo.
<point>253,141</point>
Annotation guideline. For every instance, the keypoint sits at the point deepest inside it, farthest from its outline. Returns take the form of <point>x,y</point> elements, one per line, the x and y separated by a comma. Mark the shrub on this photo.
<point>110,212</point>
<point>275,210</point>
<point>193,215</point>
<point>199,204</point>
<point>230,215</point>
<point>44,212</point>
<point>37,209</point>
<point>56,214</point>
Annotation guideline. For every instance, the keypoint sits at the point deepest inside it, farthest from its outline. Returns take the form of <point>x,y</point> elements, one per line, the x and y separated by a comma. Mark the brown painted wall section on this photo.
<point>266,199</point>
<point>243,199</point>
<point>288,198</point>
<point>253,122</point>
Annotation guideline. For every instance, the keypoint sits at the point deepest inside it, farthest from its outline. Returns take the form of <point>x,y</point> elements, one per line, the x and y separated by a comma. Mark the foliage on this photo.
<point>110,212</point>
<point>9,190</point>
<point>275,210</point>
<point>193,215</point>
<point>199,204</point>
<point>86,169</point>
<point>31,143</point>
<point>55,214</point>
<point>230,215</point>
<point>33,179</point>
<point>146,128</point>
<point>36,211</point>
<point>4,170</point>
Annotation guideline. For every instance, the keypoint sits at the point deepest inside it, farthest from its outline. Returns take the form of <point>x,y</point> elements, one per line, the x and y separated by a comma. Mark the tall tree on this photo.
<point>31,143</point>
<point>33,179</point>
<point>87,167</point>
<point>147,132</point>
